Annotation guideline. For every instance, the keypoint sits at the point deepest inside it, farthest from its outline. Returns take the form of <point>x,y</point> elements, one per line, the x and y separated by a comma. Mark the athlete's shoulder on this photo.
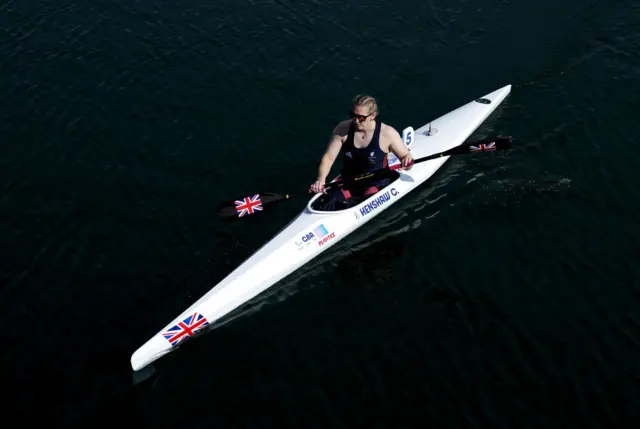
<point>389,131</point>
<point>342,129</point>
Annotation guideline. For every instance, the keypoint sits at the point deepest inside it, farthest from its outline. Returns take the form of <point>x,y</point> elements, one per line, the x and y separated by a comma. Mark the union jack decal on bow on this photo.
<point>483,147</point>
<point>248,205</point>
<point>185,329</point>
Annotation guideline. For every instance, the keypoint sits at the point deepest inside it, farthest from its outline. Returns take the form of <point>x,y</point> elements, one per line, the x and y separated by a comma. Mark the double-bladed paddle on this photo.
<point>256,203</point>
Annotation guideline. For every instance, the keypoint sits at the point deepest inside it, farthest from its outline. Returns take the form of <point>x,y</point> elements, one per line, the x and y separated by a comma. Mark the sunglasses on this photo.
<point>359,118</point>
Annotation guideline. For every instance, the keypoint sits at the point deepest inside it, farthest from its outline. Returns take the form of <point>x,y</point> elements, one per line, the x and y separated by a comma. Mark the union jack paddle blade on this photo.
<point>248,205</point>
<point>483,147</point>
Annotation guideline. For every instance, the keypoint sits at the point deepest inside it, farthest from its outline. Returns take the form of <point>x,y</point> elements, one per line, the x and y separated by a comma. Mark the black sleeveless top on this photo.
<point>357,161</point>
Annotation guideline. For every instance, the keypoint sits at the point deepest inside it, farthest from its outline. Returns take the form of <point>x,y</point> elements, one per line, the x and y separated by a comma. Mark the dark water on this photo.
<point>503,294</point>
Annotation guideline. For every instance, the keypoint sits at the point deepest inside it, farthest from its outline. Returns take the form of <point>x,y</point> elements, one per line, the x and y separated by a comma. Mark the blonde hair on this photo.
<point>366,100</point>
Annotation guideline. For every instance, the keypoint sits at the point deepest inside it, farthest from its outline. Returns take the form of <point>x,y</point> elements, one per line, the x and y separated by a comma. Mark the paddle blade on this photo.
<point>248,205</point>
<point>488,145</point>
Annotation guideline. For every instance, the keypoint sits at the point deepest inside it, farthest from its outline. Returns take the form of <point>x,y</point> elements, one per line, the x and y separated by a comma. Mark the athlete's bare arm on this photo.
<point>397,146</point>
<point>338,137</point>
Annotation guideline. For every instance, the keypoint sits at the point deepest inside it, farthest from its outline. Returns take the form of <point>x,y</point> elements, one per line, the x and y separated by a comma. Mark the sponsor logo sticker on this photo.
<point>319,235</point>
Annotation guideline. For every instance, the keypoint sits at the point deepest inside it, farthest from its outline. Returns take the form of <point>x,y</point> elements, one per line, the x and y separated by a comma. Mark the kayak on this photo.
<point>314,231</point>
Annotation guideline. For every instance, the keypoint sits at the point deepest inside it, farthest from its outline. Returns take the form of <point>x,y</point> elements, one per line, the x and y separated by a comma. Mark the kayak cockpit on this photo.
<point>322,202</point>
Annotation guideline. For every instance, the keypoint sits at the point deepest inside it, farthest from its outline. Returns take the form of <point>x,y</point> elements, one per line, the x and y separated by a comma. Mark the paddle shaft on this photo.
<point>229,210</point>
<point>499,143</point>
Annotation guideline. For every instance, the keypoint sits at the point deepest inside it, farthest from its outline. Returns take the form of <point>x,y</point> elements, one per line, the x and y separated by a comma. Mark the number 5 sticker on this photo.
<point>407,136</point>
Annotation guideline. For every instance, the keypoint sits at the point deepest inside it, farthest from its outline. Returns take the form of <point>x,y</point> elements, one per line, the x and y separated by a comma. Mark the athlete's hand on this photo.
<point>407,161</point>
<point>317,186</point>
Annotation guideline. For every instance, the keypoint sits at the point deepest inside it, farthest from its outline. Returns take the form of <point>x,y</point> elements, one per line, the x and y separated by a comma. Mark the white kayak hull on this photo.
<point>312,232</point>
